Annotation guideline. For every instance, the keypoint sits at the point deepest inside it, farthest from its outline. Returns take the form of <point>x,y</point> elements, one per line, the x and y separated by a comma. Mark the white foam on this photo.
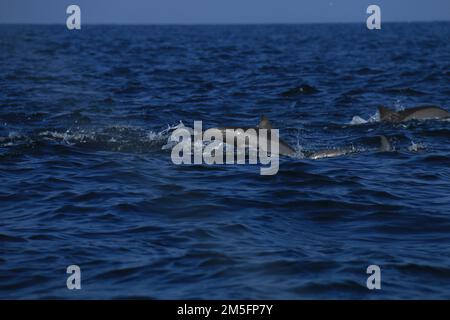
<point>68,137</point>
<point>415,147</point>
<point>357,120</point>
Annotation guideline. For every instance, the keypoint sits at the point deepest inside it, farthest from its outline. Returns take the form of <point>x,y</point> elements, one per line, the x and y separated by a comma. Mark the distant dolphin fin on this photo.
<point>385,145</point>
<point>264,123</point>
<point>386,113</point>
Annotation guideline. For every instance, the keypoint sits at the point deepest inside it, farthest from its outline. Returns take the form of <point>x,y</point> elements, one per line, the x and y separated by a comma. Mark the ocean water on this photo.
<point>86,180</point>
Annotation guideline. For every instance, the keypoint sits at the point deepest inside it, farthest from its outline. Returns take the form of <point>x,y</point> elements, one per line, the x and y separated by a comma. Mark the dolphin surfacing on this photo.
<point>385,146</point>
<point>284,148</point>
<point>331,153</point>
<point>417,113</point>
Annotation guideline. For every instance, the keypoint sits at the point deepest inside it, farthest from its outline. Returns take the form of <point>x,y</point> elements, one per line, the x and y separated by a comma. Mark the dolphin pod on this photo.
<point>286,150</point>
<point>389,115</point>
<point>417,113</point>
<point>386,115</point>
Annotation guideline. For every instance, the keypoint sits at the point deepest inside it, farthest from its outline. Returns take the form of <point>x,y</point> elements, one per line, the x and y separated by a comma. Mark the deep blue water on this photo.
<point>85,180</point>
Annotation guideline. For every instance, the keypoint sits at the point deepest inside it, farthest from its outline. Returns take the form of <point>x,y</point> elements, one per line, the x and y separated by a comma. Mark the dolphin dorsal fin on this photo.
<point>386,113</point>
<point>265,123</point>
<point>385,145</point>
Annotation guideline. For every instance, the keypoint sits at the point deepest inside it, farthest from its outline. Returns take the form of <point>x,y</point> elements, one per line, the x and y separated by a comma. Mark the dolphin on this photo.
<point>385,146</point>
<point>417,113</point>
<point>284,148</point>
<point>330,153</point>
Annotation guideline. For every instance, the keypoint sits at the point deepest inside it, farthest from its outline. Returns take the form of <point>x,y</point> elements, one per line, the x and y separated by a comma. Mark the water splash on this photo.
<point>357,120</point>
<point>416,147</point>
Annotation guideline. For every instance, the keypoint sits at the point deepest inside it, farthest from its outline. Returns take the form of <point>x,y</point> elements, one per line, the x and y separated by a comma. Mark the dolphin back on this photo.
<point>417,113</point>
<point>423,113</point>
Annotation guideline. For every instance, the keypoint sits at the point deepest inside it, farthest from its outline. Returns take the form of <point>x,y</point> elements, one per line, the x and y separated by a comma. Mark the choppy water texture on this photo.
<point>85,181</point>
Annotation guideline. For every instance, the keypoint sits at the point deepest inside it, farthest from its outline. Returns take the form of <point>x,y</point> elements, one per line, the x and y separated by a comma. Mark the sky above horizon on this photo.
<point>221,11</point>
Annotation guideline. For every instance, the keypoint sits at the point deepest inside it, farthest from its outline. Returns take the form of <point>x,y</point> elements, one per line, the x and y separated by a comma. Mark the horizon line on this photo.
<point>217,23</point>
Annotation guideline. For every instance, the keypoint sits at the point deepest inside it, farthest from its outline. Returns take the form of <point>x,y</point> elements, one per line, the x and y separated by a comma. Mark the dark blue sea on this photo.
<point>85,179</point>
